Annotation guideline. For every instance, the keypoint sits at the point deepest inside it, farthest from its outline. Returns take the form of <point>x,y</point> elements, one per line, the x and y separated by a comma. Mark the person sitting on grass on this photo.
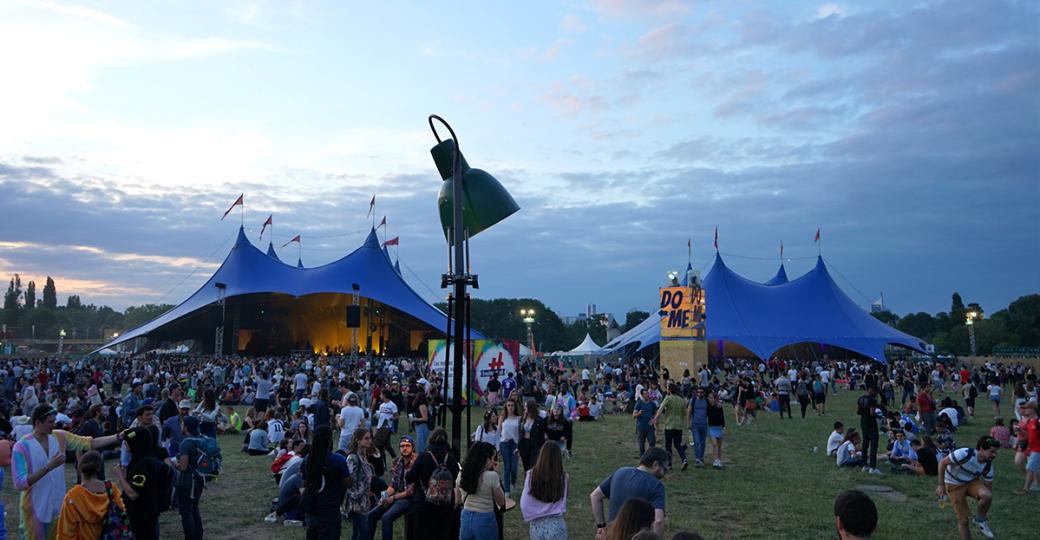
<point>848,454</point>
<point>855,515</point>
<point>944,442</point>
<point>1000,432</point>
<point>901,453</point>
<point>257,445</point>
<point>835,439</point>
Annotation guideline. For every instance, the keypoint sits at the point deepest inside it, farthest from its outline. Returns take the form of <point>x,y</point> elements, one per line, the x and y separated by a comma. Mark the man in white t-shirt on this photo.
<point>300,384</point>
<point>836,438</point>
<point>968,472</point>
<point>350,418</point>
<point>387,411</point>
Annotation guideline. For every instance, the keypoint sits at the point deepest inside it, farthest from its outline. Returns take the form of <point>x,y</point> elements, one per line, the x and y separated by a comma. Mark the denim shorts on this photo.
<point>716,432</point>
<point>1033,463</point>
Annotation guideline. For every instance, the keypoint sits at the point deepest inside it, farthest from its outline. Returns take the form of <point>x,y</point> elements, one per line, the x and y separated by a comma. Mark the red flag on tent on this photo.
<point>393,241</point>
<point>266,223</point>
<point>382,223</point>
<point>716,238</point>
<point>294,239</point>
<point>238,202</point>
<point>371,205</point>
<point>817,236</point>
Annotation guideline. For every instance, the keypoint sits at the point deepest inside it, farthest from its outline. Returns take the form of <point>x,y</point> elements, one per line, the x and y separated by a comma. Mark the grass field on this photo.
<point>773,487</point>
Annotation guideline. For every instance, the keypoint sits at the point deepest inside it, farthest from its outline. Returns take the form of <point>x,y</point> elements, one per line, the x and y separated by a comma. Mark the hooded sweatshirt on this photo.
<point>83,511</point>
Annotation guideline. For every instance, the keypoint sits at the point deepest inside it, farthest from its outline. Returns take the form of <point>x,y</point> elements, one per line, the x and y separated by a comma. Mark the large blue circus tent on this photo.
<point>279,307</point>
<point>766,317</point>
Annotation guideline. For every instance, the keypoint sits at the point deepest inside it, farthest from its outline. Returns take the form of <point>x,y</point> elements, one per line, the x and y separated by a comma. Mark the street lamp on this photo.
<point>61,340</point>
<point>470,201</point>
<point>970,321</point>
<point>528,315</point>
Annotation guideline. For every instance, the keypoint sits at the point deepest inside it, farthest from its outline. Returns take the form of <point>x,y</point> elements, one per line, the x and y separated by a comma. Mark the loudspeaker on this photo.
<point>353,316</point>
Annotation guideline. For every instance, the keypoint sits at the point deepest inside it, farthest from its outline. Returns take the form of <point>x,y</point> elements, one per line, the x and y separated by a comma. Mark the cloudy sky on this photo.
<point>908,131</point>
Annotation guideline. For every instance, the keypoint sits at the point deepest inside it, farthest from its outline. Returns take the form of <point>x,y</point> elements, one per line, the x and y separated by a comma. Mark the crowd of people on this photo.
<point>328,428</point>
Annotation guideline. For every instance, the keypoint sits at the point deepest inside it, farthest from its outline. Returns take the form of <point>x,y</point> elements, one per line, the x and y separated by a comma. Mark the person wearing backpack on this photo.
<point>88,504</point>
<point>193,450</point>
<point>481,493</point>
<point>968,472</point>
<point>434,476</point>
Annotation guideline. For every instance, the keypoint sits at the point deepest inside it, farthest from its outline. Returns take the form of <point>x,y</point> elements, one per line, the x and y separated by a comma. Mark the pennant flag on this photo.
<point>238,202</point>
<point>716,238</point>
<point>817,236</point>
<point>382,223</point>
<point>371,205</point>
<point>267,223</point>
<point>294,239</point>
<point>392,242</point>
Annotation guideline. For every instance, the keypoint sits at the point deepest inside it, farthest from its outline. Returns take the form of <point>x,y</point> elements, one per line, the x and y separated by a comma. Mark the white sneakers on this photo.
<point>984,527</point>
<point>271,518</point>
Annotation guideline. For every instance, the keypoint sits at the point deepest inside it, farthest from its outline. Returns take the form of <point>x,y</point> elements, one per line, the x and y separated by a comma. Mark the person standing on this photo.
<point>189,483</point>
<point>783,392</point>
<point>325,478</point>
<point>643,413</point>
<point>37,468</point>
<point>480,491</point>
<point>926,406</point>
<point>869,410</point>
<point>673,410</point>
<point>716,426</point>
<point>642,482</point>
<point>350,418</point>
<point>420,417</point>
<point>532,434</point>
<point>544,499</point>
<point>435,521</point>
<point>1029,443</point>
<point>358,503</point>
<point>698,418</point>
<point>968,472</point>
<point>509,443</point>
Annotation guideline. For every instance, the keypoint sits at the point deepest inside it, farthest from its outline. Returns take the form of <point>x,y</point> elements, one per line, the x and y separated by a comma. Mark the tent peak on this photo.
<point>242,240</point>
<point>373,240</point>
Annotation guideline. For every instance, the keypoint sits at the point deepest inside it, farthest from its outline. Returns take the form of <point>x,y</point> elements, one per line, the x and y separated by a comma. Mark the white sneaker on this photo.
<point>866,469</point>
<point>271,518</point>
<point>293,523</point>
<point>876,472</point>
<point>984,527</point>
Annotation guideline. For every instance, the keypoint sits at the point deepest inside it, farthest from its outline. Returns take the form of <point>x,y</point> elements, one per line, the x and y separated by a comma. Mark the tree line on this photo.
<point>27,316</point>
<point>1018,325</point>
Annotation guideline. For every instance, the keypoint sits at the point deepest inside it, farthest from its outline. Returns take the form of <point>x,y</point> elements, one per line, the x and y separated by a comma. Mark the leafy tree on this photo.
<point>633,318</point>
<point>957,310</point>
<point>50,294</point>
<point>1022,320</point>
<point>135,316</point>
<point>919,324</point>
<point>886,317</point>
<point>73,302</point>
<point>13,294</point>
<point>30,295</point>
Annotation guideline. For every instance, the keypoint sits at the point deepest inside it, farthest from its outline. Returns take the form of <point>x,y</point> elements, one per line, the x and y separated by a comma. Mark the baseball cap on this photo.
<point>184,404</point>
<point>407,439</point>
<point>305,402</point>
<point>352,398</point>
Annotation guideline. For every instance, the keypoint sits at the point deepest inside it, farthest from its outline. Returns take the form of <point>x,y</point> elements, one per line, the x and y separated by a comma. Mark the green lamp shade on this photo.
<point>485,201</point>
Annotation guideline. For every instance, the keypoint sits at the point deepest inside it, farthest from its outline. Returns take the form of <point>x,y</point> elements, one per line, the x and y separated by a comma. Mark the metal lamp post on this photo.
<point>528,315</point>
<point>970,322</point>
<point>61,340</point>
<point>470,201</point>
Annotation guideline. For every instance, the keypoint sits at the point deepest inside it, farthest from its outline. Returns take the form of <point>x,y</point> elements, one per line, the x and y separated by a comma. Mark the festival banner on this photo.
<point>682,313</point>
<point>494,356</point>
<point>436,360</point>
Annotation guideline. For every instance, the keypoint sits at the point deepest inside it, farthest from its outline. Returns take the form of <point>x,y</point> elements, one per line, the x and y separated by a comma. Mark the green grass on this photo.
<point>773,487</point>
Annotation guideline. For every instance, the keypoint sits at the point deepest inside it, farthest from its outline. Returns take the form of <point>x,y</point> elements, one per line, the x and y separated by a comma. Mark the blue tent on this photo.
<point>766,317</point>
<point>247,270</point>
<point>780,278</point>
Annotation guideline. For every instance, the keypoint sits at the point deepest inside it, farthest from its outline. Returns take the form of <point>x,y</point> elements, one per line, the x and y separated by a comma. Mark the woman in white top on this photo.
<point>488,431</point>
<point>480,491</point>
<point>509,443</point>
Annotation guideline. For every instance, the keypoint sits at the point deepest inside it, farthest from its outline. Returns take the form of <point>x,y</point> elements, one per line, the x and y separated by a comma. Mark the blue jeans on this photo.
<point>700,437</point>
<point>422,431</point>
<point>386,515</point>
<point>359,522</point>
<point>477,525</point>
<point>510,466</point>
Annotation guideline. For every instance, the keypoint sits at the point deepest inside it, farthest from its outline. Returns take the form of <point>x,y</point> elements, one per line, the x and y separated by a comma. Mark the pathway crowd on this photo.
<point>327,425</point>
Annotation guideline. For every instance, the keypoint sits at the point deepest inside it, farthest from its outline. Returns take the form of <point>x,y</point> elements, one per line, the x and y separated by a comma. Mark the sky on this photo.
<point>907,132</point>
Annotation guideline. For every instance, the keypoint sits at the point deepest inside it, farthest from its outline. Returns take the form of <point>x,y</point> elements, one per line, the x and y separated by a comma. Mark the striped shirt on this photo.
<point>965,468</point>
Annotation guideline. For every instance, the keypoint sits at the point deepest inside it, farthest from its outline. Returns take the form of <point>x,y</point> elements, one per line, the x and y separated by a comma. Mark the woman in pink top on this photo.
<point>1000,433</point>
<point>544,500</point>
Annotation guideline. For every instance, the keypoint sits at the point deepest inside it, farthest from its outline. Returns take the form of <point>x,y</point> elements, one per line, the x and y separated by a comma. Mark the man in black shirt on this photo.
<point>169,406</point>
<point>868,410</point>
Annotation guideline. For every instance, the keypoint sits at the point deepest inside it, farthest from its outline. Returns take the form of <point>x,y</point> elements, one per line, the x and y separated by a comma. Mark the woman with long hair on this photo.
<point>532,434</point>
<point>558,428</point>
<point>303,430</point>
<point>325,482</point>
<point>208,413</point>
<point>421,420</point>
<point>434,521</point>
<point>716,426</point>
<point>480,491</point>
<point>509,443</point>
<point>544,499</point>
<point>634,516</point>
<point>487,431</point>
<point>361,473</point>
